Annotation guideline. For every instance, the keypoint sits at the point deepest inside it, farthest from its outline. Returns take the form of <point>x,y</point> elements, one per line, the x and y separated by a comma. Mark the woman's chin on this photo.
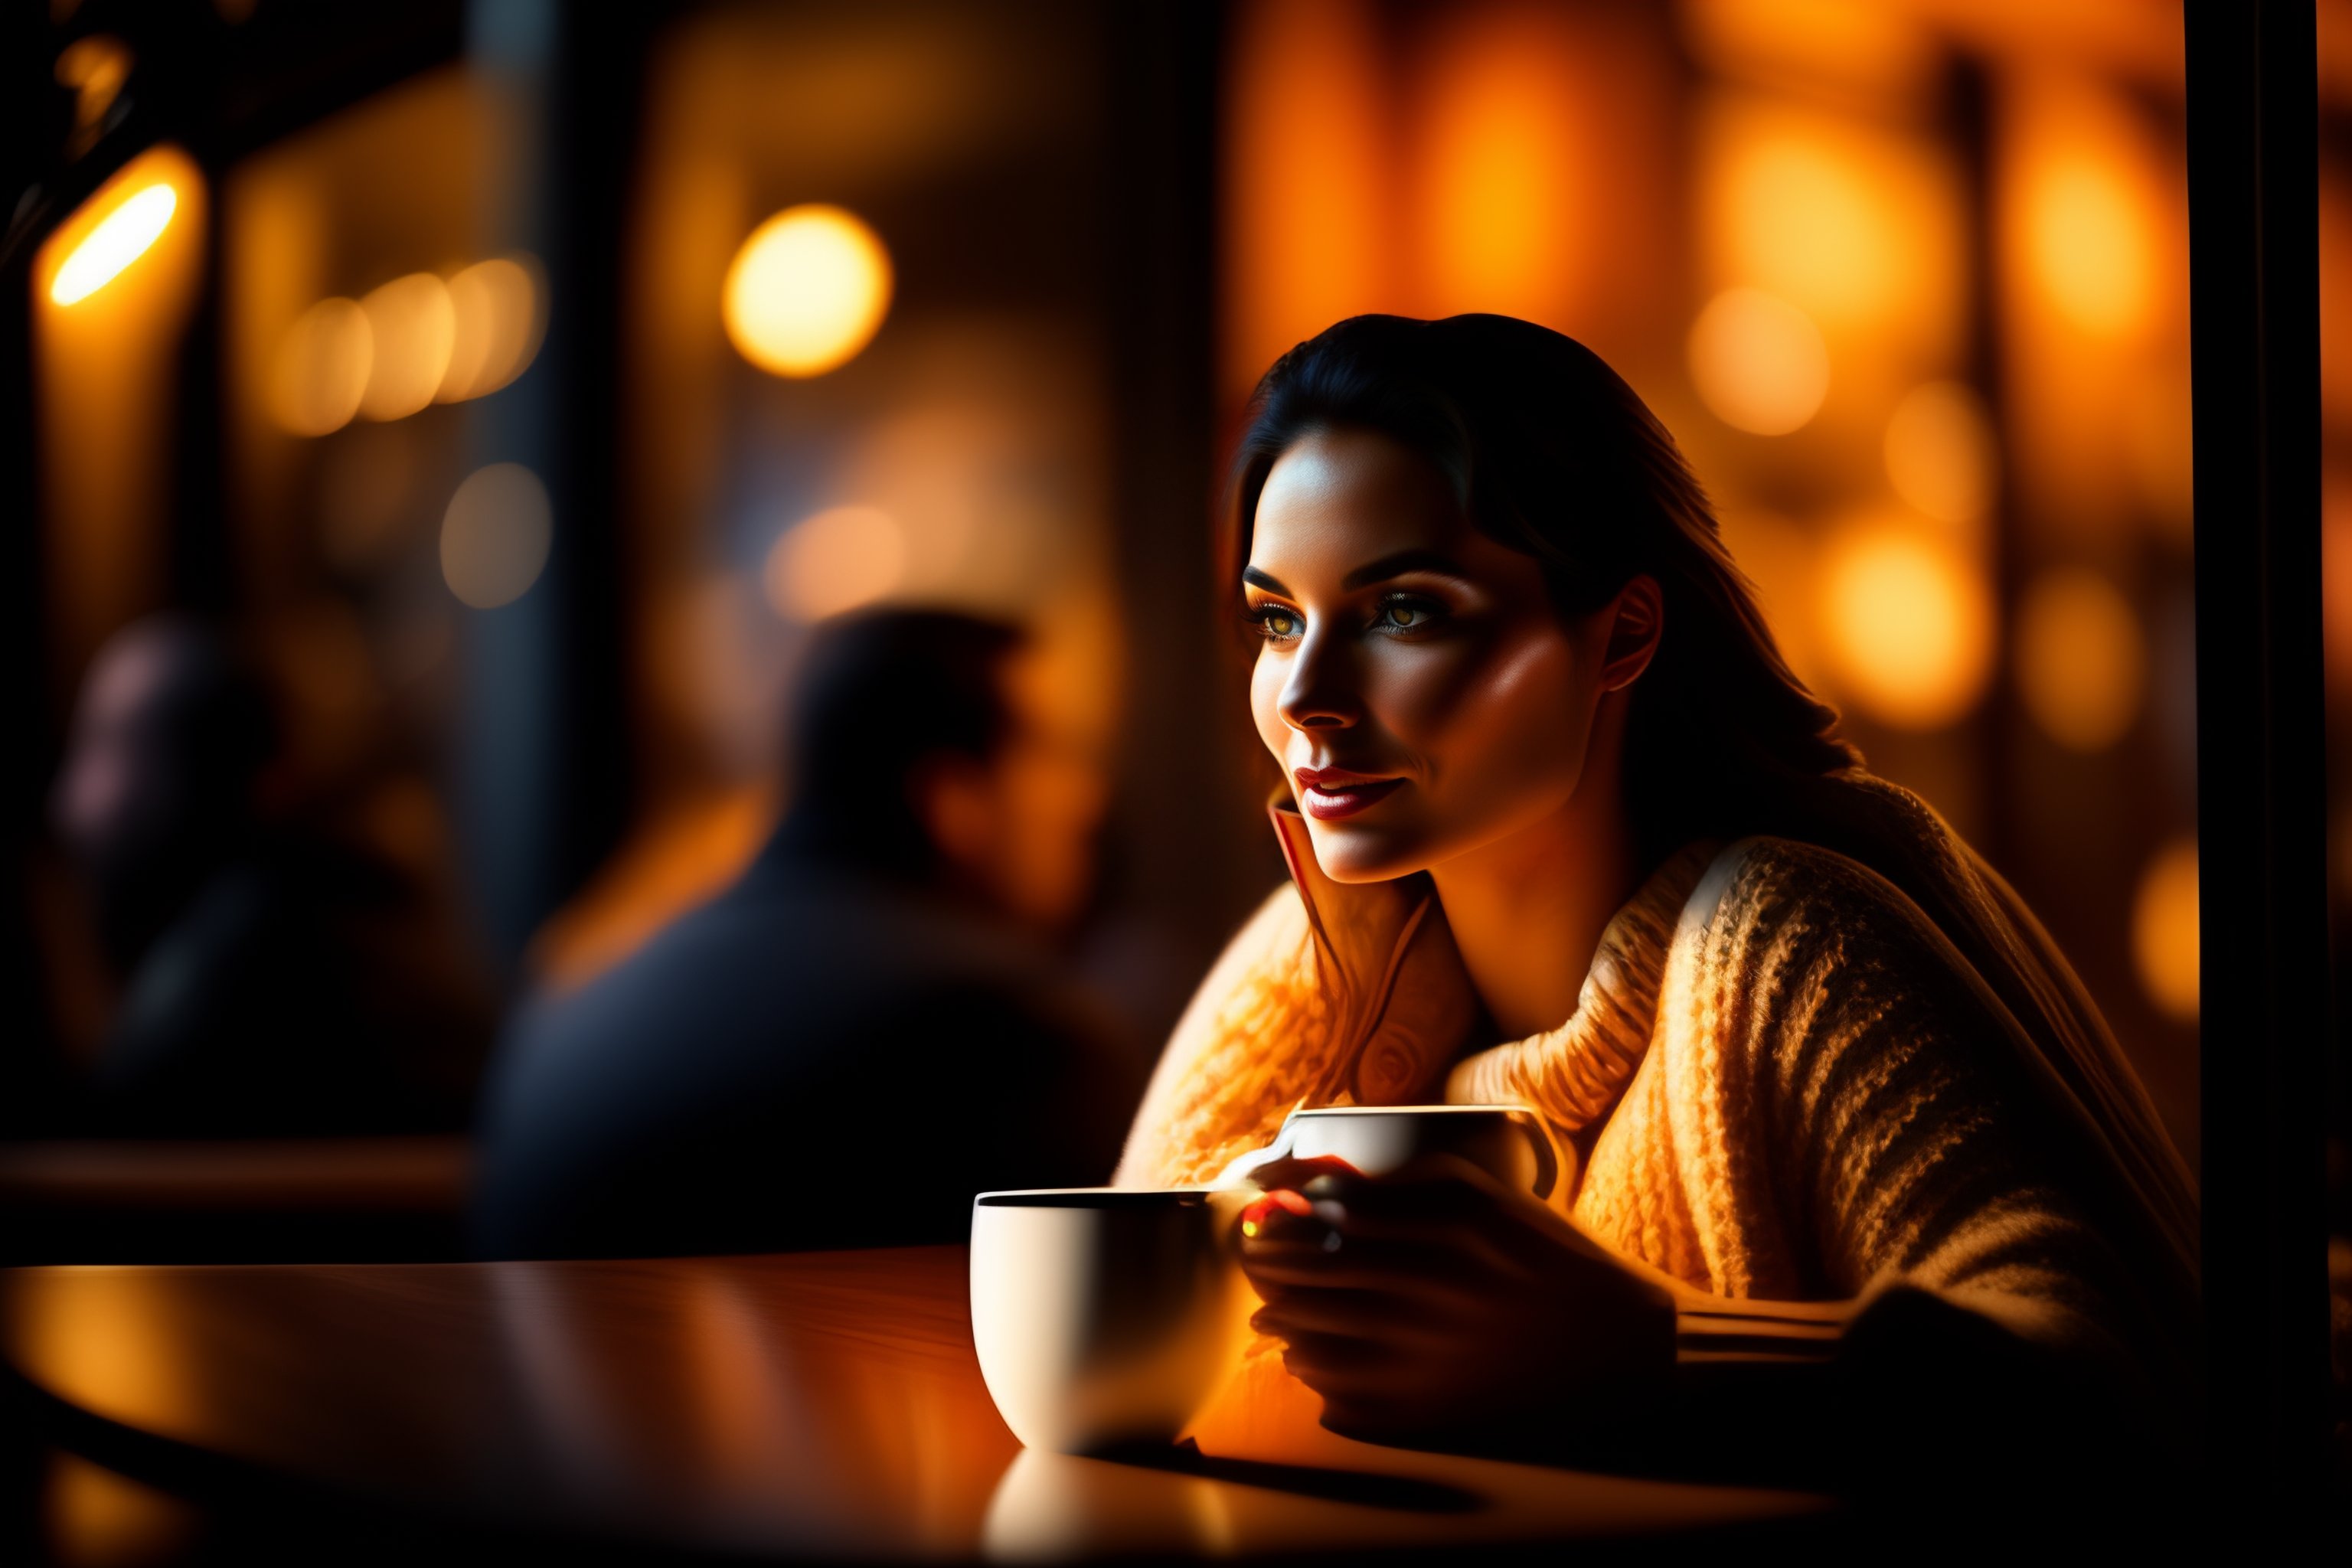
<point>1361,852</point>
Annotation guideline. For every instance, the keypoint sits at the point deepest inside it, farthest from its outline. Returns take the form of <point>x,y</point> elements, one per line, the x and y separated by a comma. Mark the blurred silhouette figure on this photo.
<point>273,979</point>
<point>868,1026</point>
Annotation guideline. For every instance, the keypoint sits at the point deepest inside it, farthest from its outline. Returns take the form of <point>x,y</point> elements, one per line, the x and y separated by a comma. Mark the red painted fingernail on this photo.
<point>1260,1209</point>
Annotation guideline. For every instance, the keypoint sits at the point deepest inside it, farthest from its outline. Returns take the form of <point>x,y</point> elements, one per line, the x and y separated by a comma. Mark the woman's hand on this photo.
<point>1437,1300</point>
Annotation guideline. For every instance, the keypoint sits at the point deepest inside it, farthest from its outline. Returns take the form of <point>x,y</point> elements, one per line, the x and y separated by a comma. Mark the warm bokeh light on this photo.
<point>495,536</point>
<point>1866,48</point>
<point>1758,361</point>
<point>1306,237</point>
<point>1810,226</point>
<point>411,343</point>
<point>119,239</point>
<point>412,328</point>
<point>113,289</point>
<point>807,290</point>
<point>835,561</point>
<point>2082,658</point>
<point>2089,216</point>
<point>1909,623</point>
<point>322,369</point>
<point>1940,453</point>
<point>2336,581</point>
<point>498,318</point>
<point>1859,225</point>
<point>1499,188</point>
<point>2088,234</point>
<point>2334,300</point>
<point>2165,945</point>
<point>95,66</point>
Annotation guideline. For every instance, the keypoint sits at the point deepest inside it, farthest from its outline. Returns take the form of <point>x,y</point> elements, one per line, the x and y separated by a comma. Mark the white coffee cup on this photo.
<point>1509,1142</point>
<point>1105,1316</point>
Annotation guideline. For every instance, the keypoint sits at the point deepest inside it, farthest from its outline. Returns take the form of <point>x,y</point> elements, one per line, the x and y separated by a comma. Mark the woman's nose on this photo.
<point>1318,695</point>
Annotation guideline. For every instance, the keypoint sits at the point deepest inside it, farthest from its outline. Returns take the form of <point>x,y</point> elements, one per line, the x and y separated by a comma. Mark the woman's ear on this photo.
<point>1637,616</point>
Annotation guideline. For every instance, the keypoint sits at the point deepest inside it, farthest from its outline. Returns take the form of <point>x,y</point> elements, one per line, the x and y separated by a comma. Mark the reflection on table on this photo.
<point>808,1405</point>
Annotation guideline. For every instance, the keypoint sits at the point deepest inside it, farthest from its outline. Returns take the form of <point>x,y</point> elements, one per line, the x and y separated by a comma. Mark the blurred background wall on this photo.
<point>451,370</point>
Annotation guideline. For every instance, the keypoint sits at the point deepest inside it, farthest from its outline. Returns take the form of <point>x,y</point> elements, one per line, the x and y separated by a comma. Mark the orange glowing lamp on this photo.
<point>119,239</point>
<point>807,291</point>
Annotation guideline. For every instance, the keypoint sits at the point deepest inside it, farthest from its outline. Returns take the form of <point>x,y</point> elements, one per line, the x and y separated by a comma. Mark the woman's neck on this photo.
<point>1527,910</point>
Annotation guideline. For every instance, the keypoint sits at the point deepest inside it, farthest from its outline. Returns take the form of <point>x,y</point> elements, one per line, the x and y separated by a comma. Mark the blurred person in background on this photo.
<point>866,1028</point>
<point>274,977</point>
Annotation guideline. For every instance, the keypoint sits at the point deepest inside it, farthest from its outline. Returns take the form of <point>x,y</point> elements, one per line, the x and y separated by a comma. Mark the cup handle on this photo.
<point>1241,1167</point>
<point>1546,1153</point>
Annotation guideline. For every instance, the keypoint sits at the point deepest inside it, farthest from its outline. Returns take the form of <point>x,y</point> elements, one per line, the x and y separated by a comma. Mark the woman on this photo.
<point>1565,830</point>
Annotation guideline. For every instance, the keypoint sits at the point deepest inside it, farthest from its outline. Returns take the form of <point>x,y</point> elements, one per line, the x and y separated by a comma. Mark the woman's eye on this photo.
<point>1402,615</point>
<point>1277,623</point>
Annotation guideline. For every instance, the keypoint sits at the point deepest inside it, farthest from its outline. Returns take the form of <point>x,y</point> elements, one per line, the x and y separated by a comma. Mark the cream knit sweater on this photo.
<point>1784,1082</point>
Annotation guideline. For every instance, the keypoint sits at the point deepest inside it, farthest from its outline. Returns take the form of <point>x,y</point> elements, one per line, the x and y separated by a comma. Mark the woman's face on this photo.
<point>1415,684</point>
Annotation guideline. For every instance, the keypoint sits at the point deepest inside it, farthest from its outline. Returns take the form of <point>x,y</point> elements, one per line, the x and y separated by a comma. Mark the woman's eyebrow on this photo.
<point>1266,580</point>
<point>1398,564</point>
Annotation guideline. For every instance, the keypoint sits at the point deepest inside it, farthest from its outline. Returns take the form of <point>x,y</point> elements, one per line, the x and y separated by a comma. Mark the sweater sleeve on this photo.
<point>1899,1240</point>
<point>1854,1123</point>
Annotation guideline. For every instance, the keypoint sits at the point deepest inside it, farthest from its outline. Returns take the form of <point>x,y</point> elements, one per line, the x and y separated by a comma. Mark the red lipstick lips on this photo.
<point>1328,794</point>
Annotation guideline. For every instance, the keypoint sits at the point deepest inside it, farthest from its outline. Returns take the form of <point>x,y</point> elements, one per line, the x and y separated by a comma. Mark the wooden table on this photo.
<point>820,1404</point>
